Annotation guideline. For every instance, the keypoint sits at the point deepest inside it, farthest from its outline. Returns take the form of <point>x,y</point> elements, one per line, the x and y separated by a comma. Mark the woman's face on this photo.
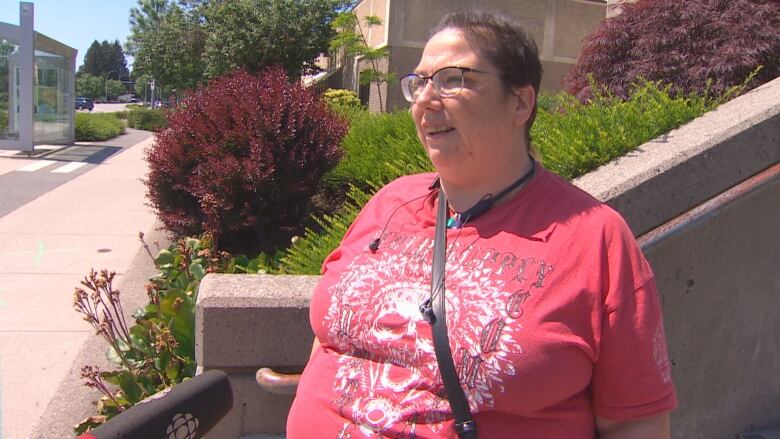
<point>472,135</point>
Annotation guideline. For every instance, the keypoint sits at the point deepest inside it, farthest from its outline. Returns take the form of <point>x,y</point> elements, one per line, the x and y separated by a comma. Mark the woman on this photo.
<point>554,322</point>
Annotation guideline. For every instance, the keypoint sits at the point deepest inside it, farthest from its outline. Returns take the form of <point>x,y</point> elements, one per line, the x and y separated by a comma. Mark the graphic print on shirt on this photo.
<point>388,377</point>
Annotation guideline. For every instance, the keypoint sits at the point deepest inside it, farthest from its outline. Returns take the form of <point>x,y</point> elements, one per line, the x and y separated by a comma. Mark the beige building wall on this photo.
<point>557,26</point>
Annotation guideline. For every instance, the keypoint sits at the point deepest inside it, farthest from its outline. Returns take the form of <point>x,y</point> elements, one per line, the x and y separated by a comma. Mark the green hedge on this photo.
<point>97,126</point>
<point>373,141</point>
<point>573,138</point>
<point>147,119</point>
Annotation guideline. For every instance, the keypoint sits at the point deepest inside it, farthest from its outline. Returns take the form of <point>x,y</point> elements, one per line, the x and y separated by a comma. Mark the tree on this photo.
<point>91,60</point>
<point>90,86</point>
<point>255,34</point>
<point>143,19</point>
<point>171,51</point>
<point>351,38</point>
<point>104,59</point>
<point>697,46</point>
<point>141,85</point>
<point>182,44</point>
<point>114,88</point>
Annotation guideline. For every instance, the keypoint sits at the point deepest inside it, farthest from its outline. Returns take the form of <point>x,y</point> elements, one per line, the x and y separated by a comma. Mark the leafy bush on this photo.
<point>342,100</point>
<point>373,140</point>
<point>149,119</point>
<point>242,158</point>
<point>3,119</point>
<point>97,126</point>
<point>158,351</point>
<point>121,114</point>
<point>573,138</point>
<point>684,43</point>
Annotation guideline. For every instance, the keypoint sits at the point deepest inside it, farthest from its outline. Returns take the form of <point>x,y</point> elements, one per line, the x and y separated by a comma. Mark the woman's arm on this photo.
<point>656,427</point>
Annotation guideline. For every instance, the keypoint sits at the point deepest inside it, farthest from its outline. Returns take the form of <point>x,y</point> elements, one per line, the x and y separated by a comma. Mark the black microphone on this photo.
<point>187,410</point>
<point>374,245</point>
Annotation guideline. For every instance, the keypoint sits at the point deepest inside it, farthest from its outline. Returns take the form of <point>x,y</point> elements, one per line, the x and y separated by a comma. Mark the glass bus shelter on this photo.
<point>37,86</point>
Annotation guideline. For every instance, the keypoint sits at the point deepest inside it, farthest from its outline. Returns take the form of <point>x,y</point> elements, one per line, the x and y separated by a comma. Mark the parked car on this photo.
<point>128,98</point>
<point>83,103</point>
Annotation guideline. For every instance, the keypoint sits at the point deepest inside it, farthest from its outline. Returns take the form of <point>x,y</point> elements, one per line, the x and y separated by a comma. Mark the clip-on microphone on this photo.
<point>374,245</point>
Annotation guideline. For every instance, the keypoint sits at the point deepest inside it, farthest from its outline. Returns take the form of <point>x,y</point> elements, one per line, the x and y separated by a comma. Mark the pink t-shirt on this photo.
<point>552,312</point>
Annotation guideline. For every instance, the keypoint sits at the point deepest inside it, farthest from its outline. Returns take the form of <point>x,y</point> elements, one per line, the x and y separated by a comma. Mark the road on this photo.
<point>108,108</point>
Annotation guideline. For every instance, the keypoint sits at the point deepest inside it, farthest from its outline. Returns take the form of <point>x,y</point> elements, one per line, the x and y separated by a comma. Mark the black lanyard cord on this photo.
<point>464,423</point>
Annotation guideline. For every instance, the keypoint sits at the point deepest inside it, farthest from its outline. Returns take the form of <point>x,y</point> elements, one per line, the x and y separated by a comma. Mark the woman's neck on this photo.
<point>462,197</point>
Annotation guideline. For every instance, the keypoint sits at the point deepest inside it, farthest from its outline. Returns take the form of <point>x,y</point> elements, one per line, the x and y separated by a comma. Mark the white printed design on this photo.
<point>660,355</point>
<point>390,375</point>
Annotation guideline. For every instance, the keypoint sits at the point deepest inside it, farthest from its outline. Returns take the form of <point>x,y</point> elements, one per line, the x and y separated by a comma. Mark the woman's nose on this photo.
<point>427,95</point>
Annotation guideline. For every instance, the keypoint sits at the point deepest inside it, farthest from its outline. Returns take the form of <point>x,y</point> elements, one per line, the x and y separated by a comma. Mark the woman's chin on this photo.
<point>447,164</point>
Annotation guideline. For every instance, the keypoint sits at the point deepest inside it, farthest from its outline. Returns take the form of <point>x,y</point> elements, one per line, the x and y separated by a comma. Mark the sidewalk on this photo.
<point>46,247</point>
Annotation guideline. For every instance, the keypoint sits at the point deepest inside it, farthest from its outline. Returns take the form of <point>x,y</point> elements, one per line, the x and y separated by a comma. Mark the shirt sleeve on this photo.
<point>632,375</point>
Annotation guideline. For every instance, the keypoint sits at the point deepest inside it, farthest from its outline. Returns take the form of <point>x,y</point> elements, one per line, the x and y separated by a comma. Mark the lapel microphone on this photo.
<point>471,213</point>
<point>374,245</point>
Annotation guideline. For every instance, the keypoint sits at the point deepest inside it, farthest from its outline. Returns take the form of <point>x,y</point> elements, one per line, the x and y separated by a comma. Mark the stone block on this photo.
<point>253,321</point>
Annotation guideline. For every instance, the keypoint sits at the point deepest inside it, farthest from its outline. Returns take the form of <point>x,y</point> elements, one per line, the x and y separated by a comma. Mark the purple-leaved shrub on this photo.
<point>241,158</point>
<point>683,43</point>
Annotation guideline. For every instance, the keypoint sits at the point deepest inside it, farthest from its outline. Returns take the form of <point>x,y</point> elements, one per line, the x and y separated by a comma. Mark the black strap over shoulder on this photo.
<point>464,423</point>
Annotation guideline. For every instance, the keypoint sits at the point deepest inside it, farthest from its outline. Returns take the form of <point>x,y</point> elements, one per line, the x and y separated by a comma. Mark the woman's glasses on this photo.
<point>447,82</point>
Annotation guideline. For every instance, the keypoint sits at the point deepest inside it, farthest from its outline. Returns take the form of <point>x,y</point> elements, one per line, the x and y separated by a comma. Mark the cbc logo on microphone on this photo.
<point>183,426</point>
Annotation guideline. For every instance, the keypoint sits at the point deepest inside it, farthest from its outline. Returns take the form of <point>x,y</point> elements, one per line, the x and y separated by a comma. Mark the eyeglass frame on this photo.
<point>437,88</point>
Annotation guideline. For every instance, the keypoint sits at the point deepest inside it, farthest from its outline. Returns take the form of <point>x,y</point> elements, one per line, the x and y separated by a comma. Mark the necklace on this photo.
<point>459,220</point>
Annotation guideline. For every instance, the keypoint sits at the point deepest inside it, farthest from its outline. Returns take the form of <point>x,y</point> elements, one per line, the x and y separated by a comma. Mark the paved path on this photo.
<point>46,247</point>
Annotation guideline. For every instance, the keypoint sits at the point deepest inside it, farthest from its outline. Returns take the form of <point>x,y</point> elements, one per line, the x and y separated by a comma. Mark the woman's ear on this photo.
<point>526,98</point>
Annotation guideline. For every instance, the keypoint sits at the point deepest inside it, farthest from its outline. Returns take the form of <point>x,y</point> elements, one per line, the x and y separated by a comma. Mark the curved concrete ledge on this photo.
<point>687,166</point>
<point>722,341</point>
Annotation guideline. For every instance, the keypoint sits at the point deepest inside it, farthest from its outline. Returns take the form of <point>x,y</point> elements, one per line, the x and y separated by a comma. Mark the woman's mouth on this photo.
<point>438,131</point>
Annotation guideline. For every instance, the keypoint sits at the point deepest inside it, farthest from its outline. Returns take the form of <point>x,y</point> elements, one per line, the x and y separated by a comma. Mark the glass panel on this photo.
<point>51,96</point>
<point>9,119</point>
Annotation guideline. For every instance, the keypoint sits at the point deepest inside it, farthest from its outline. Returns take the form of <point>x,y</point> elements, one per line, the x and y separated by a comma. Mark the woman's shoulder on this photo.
<point>578,206</point>
<point>407,186</point>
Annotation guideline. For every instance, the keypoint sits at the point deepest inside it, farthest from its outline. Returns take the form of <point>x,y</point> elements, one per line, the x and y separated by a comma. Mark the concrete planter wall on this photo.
<point>716,267</point>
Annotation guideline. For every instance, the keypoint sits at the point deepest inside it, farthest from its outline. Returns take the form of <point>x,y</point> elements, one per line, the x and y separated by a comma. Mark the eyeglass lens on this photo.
<point>447,82</point>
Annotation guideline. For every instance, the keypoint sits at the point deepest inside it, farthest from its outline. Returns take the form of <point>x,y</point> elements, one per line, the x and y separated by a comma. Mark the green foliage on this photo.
<point>97,126</point>
<point>3,121</point>
<point>255,34</point>
<point>371,140</point>
<point>306,255</point>
<point>342,100</point>
<point>90,86</point>
<point>158,351</point>
<point>351,38</point>
<point>167,42</point>
<point>104,59</point>
<point>113,89</point>
<point>141,84</point>
<point>574,138</point>
<point>183,44</point>
<point>149,119</point>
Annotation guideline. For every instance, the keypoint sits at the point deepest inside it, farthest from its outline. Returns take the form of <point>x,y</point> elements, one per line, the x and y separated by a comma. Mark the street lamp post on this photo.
<point>106,83</point>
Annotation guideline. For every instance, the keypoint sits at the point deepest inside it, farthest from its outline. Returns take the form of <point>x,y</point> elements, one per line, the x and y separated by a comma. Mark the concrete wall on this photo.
<point>716,269</point>
<point>717,273</point>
